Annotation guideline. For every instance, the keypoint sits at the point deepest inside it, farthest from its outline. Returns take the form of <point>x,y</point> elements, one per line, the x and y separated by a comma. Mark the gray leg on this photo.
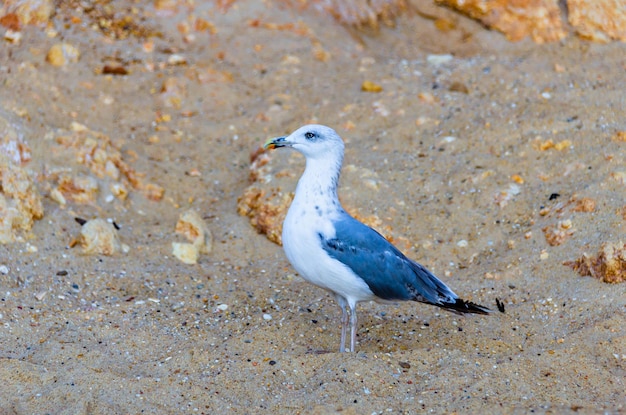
<point>353,326</point>
<point>344,321</point>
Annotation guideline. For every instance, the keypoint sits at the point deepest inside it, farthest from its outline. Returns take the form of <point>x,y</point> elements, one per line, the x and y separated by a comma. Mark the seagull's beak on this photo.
<point>277,142</point>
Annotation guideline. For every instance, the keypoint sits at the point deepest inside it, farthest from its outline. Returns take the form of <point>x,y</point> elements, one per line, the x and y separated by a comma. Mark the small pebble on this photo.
<point>4,270</point>
<point>222,307</point>
<point>176,59</point>
<point>462,243</point>
<point>438,59</point>
<point>267,317</point>
<point>61,54</point>
<point>12,36</point>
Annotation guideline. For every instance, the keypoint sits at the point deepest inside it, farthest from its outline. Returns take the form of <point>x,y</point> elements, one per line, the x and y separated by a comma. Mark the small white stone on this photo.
<point>177,59</point>
<point>439,59</point>
<point>267,317</point>
<point>222,307</point>
<point>514,189</point>
<point>4,270</point>
<point>107,99</point>
<point>13,36</point>
<point>462,243</point>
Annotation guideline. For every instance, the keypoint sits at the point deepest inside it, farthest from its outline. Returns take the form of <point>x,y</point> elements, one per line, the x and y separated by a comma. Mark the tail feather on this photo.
<point>434,291</point>
<point>461,306</point>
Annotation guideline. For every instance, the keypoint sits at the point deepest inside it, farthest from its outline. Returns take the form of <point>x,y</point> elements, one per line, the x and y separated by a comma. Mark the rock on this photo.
<point>609,264</point>
<point>539,19</point>
<point>192,227</point>
<point>185,252</point>
<point>62,54</point>
<point>98,236</point>
<point>28,11</point>
<point>598,20</point>
<point>20,201</point>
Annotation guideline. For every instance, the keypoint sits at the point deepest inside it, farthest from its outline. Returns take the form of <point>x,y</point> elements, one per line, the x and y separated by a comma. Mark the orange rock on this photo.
<point>28,11</point>
<point>560,233</point>
<point>598,20</point>
<point>609,265</point>
<point>539,19</point>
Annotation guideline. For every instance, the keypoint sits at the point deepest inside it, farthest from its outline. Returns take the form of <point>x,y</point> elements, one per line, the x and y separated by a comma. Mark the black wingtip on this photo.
<point>465,307</point>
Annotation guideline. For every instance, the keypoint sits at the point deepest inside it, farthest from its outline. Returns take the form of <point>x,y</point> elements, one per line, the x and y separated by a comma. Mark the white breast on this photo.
<point>302,245</point>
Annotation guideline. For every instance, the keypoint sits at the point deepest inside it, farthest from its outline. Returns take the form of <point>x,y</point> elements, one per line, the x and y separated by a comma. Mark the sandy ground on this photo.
<point>239,332</point>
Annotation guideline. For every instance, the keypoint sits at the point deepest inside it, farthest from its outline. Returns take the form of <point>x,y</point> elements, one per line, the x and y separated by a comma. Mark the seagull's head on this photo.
<point>313,141</point>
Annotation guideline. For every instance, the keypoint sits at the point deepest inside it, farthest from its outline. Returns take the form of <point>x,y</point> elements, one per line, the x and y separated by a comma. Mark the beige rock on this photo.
<point>12,142</point>
<point>98,236</point>
<point>360,12</point>
<point>193,227</point>
<point>20,201</point>
<point>80,189</point>
<point>105,159</point>
<point>185,252</point>
<point>62,54</point>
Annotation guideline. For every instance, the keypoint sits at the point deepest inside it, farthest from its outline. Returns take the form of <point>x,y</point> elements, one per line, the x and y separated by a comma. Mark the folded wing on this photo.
<point>387,271</point>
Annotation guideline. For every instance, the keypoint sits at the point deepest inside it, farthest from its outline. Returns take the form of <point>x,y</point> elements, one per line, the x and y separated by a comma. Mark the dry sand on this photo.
<point>457,149</point>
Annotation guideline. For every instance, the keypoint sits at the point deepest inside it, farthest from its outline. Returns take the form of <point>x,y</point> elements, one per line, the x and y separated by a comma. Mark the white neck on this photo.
<point>318,184</point>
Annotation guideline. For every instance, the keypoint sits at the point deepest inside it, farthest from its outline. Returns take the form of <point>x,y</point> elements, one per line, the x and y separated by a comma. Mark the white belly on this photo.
<point>301,242</point>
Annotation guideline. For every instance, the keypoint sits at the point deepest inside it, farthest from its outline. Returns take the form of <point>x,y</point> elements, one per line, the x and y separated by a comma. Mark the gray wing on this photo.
<point>389,274</point>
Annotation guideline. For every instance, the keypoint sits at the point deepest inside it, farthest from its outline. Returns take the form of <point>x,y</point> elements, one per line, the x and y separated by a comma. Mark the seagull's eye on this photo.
<point>309,135</point>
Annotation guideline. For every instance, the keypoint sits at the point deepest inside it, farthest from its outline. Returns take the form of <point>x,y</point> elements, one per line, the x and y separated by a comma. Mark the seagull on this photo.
<point>334,251</point>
